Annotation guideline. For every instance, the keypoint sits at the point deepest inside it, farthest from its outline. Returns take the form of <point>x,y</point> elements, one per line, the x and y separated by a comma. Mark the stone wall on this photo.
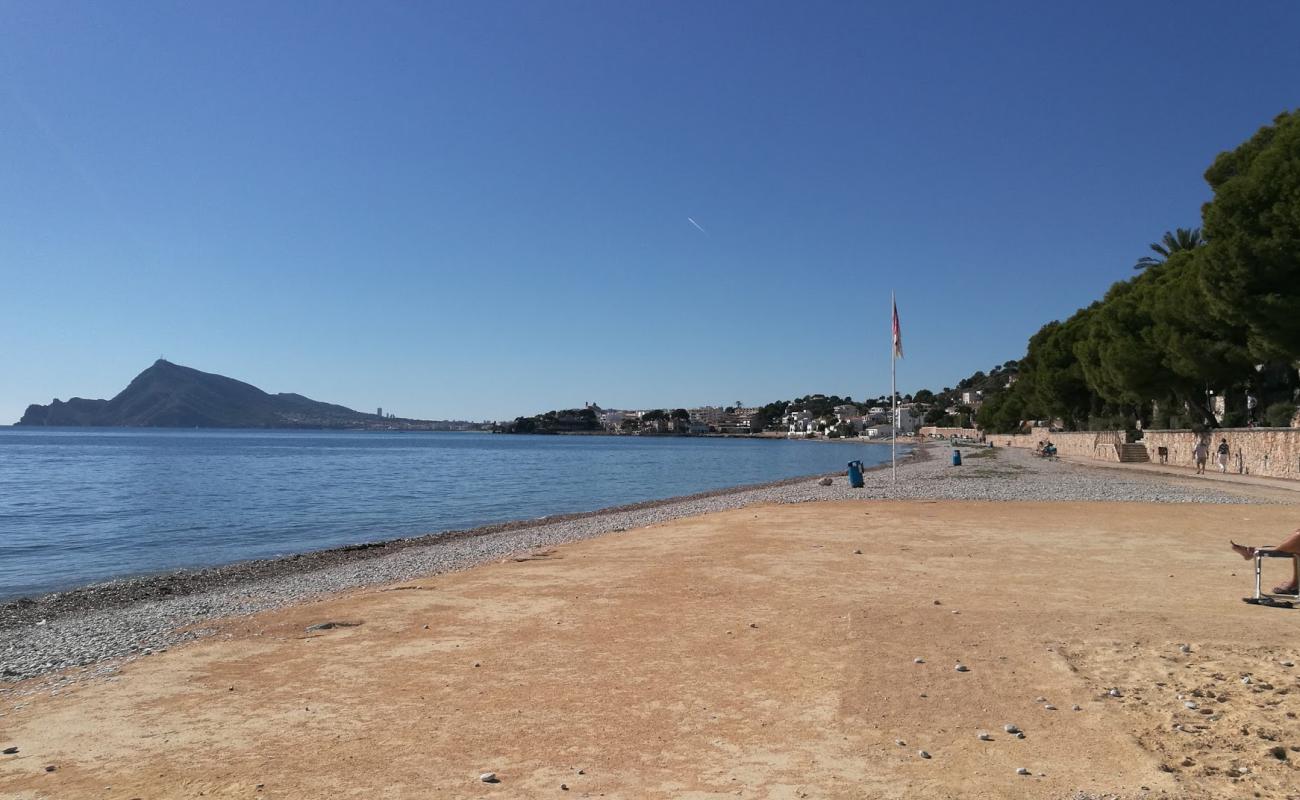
<point>1271,452</point>
<point>944,433</point>
<point>1097,445</point>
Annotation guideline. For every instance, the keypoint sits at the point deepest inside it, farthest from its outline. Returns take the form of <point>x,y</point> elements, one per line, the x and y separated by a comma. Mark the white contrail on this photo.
<point>697,225</point>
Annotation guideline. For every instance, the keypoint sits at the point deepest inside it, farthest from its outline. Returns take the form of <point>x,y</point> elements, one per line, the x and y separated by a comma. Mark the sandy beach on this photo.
<point>772,650</point>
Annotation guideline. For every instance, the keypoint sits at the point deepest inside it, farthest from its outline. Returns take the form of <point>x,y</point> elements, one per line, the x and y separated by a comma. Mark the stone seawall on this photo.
<point>1097,445</point>
<point>944,433</point>
<point>1270,452</point>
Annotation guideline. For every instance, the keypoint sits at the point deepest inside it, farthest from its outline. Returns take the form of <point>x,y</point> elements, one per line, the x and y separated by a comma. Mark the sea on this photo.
<point>82,505</point>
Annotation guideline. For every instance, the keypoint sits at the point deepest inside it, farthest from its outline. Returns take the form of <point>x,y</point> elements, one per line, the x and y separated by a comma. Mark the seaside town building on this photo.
<point>799,423</point>
<point>907,419</point>
<point>708,415</point>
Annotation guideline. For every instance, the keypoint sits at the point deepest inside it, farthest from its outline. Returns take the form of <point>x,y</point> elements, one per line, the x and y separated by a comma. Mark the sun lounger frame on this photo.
<point>1262,598</point>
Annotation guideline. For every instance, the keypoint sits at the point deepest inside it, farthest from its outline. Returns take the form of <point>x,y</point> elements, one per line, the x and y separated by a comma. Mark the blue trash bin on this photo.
<point>956,457</point>
<point>855,474</point>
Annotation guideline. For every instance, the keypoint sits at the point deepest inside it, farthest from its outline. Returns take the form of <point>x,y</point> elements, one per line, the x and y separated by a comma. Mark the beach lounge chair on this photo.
<point>1261,598</point>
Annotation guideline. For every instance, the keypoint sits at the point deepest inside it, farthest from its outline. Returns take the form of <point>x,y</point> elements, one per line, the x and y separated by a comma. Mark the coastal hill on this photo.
<point>168,395</point>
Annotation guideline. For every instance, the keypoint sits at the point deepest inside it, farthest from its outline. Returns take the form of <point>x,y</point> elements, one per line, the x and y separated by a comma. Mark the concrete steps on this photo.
<point>1132,453</point>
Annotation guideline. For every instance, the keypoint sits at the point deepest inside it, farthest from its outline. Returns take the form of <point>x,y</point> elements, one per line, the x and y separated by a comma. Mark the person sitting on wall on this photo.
<point>1291,545</point>
<point>1049,450</point>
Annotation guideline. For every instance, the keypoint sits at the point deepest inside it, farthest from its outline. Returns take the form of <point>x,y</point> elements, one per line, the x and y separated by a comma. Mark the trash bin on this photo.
<point>855,474</point>
<point>956,457</point>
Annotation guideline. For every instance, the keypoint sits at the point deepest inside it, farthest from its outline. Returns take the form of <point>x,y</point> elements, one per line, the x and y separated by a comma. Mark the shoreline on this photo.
<point>183,582</point>
<point>92,632</point>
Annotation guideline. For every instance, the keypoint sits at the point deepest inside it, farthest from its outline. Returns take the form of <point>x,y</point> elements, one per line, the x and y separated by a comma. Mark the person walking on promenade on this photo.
<point>1290,545</point>
<point>1201,454</point>
<point>1223,456</point>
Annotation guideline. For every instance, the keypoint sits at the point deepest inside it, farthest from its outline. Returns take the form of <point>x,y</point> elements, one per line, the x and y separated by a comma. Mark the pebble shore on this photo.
<point>101,626</point>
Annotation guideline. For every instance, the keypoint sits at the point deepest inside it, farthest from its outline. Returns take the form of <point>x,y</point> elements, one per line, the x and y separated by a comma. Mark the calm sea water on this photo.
<point>81,505</point>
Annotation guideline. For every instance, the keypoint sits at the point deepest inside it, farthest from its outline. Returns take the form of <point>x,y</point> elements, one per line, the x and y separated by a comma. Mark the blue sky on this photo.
<point>479,210</point>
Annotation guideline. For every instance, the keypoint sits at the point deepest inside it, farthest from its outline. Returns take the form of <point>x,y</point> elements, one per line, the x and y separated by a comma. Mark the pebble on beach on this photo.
<point>922,754</point>
<point>1022,771</point>
<point>10,751</point>
<point>1009,728</point>
<point>984,737</point>
<point>962,668</point>
<point>489,777</point>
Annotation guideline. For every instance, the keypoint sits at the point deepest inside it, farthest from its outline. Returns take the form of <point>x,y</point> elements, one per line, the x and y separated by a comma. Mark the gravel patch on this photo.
<point>102,626</point>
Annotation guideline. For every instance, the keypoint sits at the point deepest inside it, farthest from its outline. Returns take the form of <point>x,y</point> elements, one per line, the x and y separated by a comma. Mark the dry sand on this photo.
<point>749,653</point>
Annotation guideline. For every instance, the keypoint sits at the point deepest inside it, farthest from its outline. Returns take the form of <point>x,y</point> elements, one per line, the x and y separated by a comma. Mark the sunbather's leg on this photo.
<point>1290,544</point>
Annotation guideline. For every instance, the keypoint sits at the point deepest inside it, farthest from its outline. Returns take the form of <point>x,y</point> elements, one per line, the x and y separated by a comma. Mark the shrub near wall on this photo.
<point>1269,452</point>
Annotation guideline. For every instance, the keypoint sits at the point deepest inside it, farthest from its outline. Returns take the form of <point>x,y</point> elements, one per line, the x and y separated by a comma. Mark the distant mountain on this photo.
<point>167,395</point>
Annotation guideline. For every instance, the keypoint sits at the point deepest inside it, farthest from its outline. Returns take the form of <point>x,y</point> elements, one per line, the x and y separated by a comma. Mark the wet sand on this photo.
<point>747,653</point>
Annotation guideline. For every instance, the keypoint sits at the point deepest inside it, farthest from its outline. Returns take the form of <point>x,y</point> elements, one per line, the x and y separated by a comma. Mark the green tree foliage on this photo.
<point>770,415</point>
<point>1279,415</point>
<point>1178,241</point>
<point>1053,377</point>
<point>572,420</point>
<point>1252,274</point>
<point>1216,311</point>
<point>821,405</point>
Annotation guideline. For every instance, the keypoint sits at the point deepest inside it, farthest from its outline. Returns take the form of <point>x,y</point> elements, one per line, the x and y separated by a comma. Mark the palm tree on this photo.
<point>1179,240</point>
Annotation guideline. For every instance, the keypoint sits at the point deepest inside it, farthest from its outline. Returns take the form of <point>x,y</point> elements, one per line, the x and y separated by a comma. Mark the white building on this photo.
<point>799,422</point>
<point>907,420</point>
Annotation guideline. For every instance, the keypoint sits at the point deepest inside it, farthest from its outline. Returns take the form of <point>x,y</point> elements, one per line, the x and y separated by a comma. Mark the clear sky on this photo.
<point>480,210</point>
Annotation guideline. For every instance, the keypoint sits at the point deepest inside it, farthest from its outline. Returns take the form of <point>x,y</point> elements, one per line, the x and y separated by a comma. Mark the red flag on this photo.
<point>898,335</point>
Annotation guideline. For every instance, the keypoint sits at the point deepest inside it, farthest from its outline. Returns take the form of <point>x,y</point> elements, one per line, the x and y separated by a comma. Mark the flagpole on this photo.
<point>893,392</point>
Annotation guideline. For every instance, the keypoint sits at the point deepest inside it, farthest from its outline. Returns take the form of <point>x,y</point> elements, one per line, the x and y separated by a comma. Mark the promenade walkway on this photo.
<point>1212,474</point>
